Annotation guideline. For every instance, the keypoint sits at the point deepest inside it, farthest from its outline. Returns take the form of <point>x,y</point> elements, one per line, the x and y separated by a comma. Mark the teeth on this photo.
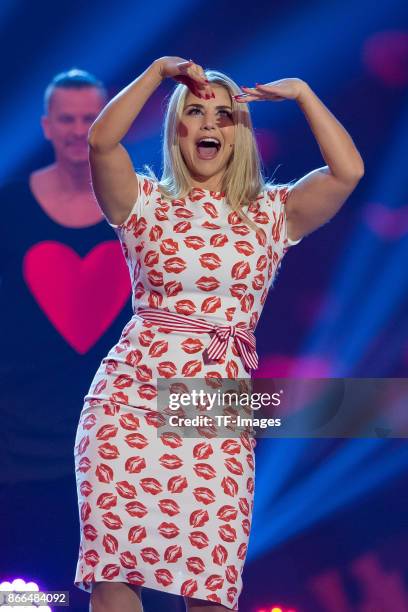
<point>215,140</point>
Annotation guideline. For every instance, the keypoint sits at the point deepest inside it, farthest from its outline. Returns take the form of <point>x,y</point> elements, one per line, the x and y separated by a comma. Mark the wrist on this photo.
<point>157,67</point>
<point>304,91</point>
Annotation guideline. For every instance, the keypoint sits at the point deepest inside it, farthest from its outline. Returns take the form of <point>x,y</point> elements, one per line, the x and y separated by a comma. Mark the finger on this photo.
<point>199,91</point>
<point>247,98</point>
<point>188,82</point>
<point>203,85</point>
<point>200,77</point>
<point>198,73</point>
<point>182,66</point>
<point>250,92</point>
<point>194,77</point>
<point>273,94</point>
<point>195,72</point>
<point>267,88</point>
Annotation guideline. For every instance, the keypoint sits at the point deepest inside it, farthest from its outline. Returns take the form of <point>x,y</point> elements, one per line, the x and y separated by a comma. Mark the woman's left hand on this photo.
<point>276,91</point>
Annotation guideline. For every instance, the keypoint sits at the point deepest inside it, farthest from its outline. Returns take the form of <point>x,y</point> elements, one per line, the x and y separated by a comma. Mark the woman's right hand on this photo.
<point>187,72</point>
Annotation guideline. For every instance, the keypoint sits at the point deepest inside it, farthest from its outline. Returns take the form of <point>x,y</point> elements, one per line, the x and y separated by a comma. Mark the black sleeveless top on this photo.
<point>64,300</point>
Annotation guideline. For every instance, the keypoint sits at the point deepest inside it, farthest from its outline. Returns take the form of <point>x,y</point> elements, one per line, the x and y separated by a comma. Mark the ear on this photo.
<point>45,124</point>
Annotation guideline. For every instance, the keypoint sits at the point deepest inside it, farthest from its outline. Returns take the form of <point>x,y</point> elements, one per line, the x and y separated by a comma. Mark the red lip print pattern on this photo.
<point>169,506</point>
<point>158,508</point>
<point>90,533</point>
<point>198,518</point>
<point>173,553</point>
<point>198,539</point>
<point>150,555</point>
<point>177,484</point>
<point>227,513</point>
<point>168,530</point>
<point>137,534</point>
<point>195,565</point>
<point>128,560</point>
<point>110,544</point>
<point>219,554</point>
<point>164,577</point>
<point>204,470</point>
<point>136,508</point>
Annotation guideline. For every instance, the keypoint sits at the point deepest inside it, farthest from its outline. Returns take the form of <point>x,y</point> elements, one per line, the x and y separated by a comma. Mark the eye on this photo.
<point>223,111</point>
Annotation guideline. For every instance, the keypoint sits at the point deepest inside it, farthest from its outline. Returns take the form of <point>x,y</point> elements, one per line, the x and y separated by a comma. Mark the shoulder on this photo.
<point>44,180</point>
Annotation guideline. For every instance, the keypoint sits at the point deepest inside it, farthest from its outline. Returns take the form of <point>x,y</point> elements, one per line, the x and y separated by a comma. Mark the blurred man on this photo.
<point>57,254</point>
<point>72,102</point>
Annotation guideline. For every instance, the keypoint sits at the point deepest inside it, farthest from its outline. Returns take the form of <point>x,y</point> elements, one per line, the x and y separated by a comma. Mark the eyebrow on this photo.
<point>217,107</point>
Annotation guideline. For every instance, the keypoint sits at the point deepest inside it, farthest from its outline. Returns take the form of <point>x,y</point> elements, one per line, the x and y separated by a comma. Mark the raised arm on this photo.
<point>114,180</point>
<point>318,196</point>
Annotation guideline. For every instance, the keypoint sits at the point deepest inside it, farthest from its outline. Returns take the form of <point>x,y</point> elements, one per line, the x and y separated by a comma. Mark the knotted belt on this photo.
<point>244,338</point>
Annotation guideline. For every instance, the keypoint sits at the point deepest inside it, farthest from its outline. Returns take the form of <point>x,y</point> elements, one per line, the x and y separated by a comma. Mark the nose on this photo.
<point>80,128</point>
<point>208,122</point>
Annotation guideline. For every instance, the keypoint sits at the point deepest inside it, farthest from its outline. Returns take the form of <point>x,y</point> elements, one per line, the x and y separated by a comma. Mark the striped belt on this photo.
<point>244,338</point>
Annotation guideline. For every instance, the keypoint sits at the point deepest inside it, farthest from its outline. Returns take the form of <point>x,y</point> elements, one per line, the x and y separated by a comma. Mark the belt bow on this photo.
<point>244,338</point>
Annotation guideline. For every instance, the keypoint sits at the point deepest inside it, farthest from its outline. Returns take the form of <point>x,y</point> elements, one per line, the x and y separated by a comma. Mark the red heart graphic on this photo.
<point>81,297</point>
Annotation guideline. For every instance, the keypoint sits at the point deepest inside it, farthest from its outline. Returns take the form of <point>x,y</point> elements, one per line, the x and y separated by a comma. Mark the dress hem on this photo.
<point>172,589</point>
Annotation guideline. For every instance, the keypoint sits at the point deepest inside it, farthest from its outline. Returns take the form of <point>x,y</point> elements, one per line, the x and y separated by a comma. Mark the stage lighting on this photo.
<point>275,609</point>
<point>18,585</point>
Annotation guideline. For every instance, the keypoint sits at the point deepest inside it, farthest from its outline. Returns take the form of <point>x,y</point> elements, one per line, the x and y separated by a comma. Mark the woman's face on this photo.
<point>206,133</point>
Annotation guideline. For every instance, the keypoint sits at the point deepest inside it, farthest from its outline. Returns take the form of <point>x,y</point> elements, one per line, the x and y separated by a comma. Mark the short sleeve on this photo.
<point>278,197</point>
<point>283,196</point>
<point>146,187</point>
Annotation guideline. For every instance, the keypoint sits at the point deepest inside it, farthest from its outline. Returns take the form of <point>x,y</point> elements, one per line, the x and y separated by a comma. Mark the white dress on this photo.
<point>171,512</point>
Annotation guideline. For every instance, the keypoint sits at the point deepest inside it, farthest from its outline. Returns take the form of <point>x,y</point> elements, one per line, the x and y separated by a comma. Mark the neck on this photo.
<point>213,183</point>
<point>72,178</point>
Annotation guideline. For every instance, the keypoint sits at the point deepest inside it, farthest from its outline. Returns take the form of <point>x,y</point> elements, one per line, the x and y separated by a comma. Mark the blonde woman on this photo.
<point>203,246</point>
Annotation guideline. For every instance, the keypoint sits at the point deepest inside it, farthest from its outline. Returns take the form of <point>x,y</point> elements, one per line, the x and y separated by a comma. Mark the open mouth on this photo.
<point>207,148</point>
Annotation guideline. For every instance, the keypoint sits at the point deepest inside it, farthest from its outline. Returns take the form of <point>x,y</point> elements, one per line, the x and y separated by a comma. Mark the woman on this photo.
<point>203,246</point>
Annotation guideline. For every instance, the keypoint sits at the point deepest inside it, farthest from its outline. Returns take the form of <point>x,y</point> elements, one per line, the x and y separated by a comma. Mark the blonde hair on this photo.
<point>243,180</point>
